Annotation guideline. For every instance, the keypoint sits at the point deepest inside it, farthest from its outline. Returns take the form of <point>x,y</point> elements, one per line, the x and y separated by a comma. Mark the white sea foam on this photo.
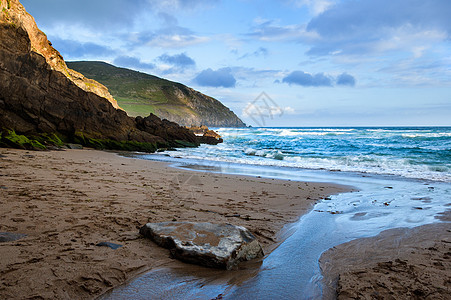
<point>349,164</point>
<point>377,151</point>
<point>426,135</point>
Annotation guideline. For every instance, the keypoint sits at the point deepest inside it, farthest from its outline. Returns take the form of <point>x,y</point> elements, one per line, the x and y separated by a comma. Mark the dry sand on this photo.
<point>66,202</point>
<point>398,263</point>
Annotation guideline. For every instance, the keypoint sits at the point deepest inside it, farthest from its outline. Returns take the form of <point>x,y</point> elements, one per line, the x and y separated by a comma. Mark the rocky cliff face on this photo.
<point>15,14</point>
<point>140,94</point>
<point>40,95</point>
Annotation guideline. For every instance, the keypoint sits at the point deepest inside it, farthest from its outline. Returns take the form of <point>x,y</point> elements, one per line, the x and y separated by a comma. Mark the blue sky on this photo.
<point>320,63</point>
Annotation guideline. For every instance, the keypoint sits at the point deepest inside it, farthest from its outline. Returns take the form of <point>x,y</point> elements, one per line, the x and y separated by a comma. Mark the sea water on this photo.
<point>412,152</point>
<point>403,176</point>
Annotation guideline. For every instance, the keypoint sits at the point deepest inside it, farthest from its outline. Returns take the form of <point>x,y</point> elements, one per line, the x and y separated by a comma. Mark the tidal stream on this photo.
<point>292,270</point>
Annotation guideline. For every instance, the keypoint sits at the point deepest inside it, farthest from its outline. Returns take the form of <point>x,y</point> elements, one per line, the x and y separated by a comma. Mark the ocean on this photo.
<point>403,177</point>
<point>411,152</point>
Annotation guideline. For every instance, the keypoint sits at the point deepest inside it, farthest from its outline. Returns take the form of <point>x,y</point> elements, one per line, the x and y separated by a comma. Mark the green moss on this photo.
<point>184,144</point>
<point>10,138</point>
<point>103,144</point>
<point>79,138</point>
<point>50,139</point>
<point>108,144</point>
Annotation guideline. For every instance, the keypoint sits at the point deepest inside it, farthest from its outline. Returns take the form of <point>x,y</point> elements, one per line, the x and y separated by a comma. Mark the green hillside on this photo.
<point>140,94</point>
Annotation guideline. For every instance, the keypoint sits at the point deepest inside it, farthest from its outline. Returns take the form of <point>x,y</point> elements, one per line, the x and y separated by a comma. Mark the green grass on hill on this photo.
<point>137,93</point>
<point>140,94</point>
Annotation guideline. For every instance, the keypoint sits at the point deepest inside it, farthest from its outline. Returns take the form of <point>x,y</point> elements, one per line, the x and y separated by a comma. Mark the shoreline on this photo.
<point>67,202</point>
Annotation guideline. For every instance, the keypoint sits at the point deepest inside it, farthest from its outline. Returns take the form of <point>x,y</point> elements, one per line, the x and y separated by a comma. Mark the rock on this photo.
<point>205,135</point>
<point>41,97</point>
<point>211,245</point>
<point>170,131</point>
<point>109,245</point>
<point>74,146</point>
<point>9,237</point>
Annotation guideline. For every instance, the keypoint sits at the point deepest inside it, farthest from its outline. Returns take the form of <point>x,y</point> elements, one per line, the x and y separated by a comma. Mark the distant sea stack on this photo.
<point>140,94</point>
<point>43,102</point>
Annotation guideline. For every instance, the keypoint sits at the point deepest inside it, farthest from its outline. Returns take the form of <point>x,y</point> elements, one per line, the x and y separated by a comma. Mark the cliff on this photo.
<point>43,101</point>
<point>140,94</point>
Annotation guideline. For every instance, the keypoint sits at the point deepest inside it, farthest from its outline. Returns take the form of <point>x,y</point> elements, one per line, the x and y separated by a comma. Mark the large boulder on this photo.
<point>212,245</point>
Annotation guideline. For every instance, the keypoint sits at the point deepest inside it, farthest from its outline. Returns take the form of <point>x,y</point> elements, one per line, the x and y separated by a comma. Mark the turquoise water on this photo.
<point>412,152</point>
<point>404,180</point>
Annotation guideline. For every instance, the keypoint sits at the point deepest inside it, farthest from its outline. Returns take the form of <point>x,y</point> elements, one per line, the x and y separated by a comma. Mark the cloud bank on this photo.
<point>369,26</point>
<point>178,60</point>
<point>73,49</point>
<point>220,78</point>
<point>317,80</point>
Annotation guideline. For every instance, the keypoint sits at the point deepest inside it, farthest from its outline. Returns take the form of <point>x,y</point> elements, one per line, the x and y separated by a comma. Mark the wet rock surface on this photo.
<point>109,245</point>
<point>10,237</point>
<point>207,244</point>
<point>206,136</point>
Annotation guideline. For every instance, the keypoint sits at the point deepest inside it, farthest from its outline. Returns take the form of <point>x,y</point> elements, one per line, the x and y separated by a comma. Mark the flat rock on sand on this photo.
<point>212,245</point>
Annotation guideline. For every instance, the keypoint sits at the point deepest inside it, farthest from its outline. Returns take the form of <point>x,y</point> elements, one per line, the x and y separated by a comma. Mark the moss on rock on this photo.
<point>108,144</point>
<point>50,139</point>
<point>180,143</point>
<point>10,138</point>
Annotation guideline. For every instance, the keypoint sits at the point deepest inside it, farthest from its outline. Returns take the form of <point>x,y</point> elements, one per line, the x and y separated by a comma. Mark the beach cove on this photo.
<point>67,202</point>
<point>70,203</point>
<point>401,210</point>
<point>356,207</point>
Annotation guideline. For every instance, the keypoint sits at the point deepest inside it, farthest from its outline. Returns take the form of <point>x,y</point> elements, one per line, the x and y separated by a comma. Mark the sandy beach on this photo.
<point>67,202</point>
<point>399,263</point>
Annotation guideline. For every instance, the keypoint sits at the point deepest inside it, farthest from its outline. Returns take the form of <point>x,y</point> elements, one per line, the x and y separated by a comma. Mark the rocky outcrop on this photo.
<point>205,135</point>
<point>212,245</point>
<point>141,93</point>
<point>166,129</point>
<point>40,96</point>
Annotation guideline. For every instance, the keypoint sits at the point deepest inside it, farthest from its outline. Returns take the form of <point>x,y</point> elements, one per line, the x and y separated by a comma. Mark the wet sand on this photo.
<point>398,263</point>
<point>67,202</point>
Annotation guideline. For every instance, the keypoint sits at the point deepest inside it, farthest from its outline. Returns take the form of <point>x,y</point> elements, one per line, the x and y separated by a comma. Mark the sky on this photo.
<point>275,63</point>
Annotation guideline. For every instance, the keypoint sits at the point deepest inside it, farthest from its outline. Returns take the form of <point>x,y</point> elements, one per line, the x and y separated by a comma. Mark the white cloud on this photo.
<point>315,6</point>
<point>177,41</point>
<point>272,31</point>
<point>289,110</point>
